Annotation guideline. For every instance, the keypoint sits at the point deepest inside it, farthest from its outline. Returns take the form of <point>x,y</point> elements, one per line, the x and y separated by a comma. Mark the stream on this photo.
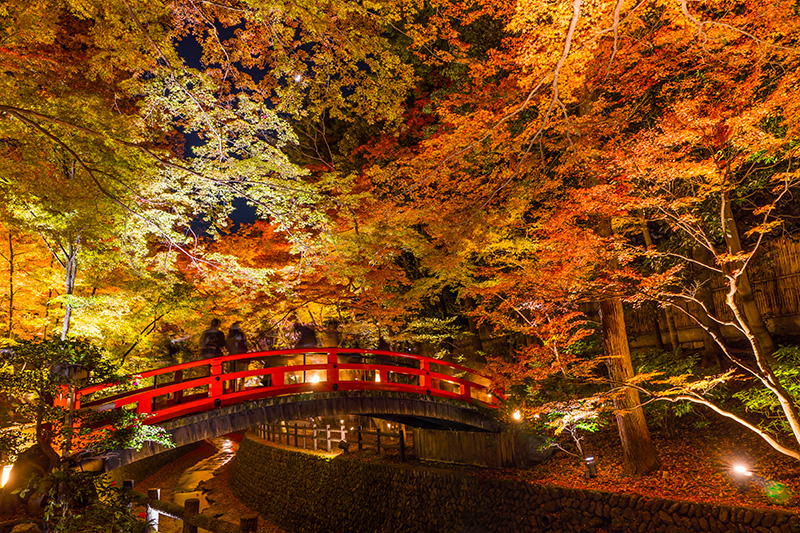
<point>187,484</point>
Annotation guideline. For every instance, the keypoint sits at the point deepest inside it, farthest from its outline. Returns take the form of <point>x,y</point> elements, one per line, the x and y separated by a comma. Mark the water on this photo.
<point>187,484</point>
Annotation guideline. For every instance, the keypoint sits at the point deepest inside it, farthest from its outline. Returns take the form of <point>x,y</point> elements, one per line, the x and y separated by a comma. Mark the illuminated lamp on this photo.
<point>741,477</point>
<point>591,467</point>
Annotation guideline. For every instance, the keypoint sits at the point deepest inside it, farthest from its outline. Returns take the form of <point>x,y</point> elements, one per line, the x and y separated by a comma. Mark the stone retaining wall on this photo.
<point>139,470</point>
<point>302,492</point>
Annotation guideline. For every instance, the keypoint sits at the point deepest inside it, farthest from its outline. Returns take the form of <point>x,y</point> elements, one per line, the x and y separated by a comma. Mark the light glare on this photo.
<point>6,475</point>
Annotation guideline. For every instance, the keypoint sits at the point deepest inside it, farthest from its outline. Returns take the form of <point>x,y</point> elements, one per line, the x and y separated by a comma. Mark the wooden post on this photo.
<point>328,437</point>
<point>314,434</point>
<point>295,435</point>
<point>215,388</point>
<point>152,514</point>
<point>342,433</point>
<point>402,445</point>
<point>360,444</point>
<point>378,434</point>
<point>248,524</point>
<point>331,370</point>
<point>305,431</point>
<point>190,508</point>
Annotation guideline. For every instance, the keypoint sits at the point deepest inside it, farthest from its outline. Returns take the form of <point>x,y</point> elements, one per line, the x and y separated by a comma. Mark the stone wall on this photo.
<point>302,492</point>
<point>139,470</point>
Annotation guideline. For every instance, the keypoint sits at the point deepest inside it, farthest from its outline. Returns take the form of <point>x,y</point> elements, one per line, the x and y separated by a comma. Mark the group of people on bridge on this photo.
<point>214,340</point>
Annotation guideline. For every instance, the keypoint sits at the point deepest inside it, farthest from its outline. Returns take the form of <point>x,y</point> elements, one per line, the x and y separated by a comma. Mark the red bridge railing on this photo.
<point>198,386</point>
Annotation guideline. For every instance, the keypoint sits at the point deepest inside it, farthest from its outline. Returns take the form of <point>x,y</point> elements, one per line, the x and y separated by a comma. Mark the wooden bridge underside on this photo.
<point>410,409</point>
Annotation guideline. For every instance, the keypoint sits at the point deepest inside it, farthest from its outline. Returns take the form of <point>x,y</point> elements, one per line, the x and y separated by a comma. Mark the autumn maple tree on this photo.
<point>546,161</point>
<point>424,171</point>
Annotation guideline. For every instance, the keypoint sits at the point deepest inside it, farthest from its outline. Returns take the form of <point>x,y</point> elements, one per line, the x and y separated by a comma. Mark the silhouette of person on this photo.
<point>212,341</point>
<point>237,343</point>
<point>306,336</point>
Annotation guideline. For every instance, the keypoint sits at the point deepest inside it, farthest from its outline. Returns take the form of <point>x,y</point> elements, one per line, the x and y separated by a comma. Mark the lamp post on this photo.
<point>742,476</point>
<point>591,467</point>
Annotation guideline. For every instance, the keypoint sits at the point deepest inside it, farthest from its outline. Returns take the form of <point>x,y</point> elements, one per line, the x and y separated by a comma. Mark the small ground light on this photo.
<point>517,415</point>
<point>591,467</point>
<point>298,78</point>
<point>742,476</point>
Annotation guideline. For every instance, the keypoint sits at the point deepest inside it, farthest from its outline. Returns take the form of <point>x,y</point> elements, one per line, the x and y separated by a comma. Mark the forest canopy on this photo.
<point>471,179</point>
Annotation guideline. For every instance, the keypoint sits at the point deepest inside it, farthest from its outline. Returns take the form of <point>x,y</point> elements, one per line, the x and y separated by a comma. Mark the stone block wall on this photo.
<point>139,470</point>
<point>303,492</point>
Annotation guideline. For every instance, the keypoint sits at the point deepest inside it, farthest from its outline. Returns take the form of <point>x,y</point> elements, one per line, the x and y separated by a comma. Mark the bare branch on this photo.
<point>755,429</point>
<point>702,33</point>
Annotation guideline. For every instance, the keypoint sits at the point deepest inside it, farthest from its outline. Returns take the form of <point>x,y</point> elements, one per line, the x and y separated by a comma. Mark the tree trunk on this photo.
<point>712,352</point>
<point>472,325</point>
<point>638,453</point>
<point>652,307</point>
<point>652,310</point>
<point>755,322</point>
<point>71,268</point>
<point>47,304</point>
<point>10,285</point>
<point>674,341</point>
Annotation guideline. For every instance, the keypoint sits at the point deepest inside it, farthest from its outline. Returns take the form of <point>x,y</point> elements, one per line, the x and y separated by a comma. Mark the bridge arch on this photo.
<point>205,398</point>
<point>409,409</point>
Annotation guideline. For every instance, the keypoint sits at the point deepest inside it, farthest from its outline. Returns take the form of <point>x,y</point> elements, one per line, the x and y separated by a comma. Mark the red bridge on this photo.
<point>204,398</point>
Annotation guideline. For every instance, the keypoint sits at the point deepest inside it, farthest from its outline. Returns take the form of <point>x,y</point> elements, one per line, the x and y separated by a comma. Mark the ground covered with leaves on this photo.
<point>697,465</point>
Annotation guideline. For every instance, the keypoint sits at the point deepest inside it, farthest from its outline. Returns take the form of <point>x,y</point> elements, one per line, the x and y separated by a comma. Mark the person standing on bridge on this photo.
<point>306,336</point>
<point>237,343</point>
<point>212,341</point>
